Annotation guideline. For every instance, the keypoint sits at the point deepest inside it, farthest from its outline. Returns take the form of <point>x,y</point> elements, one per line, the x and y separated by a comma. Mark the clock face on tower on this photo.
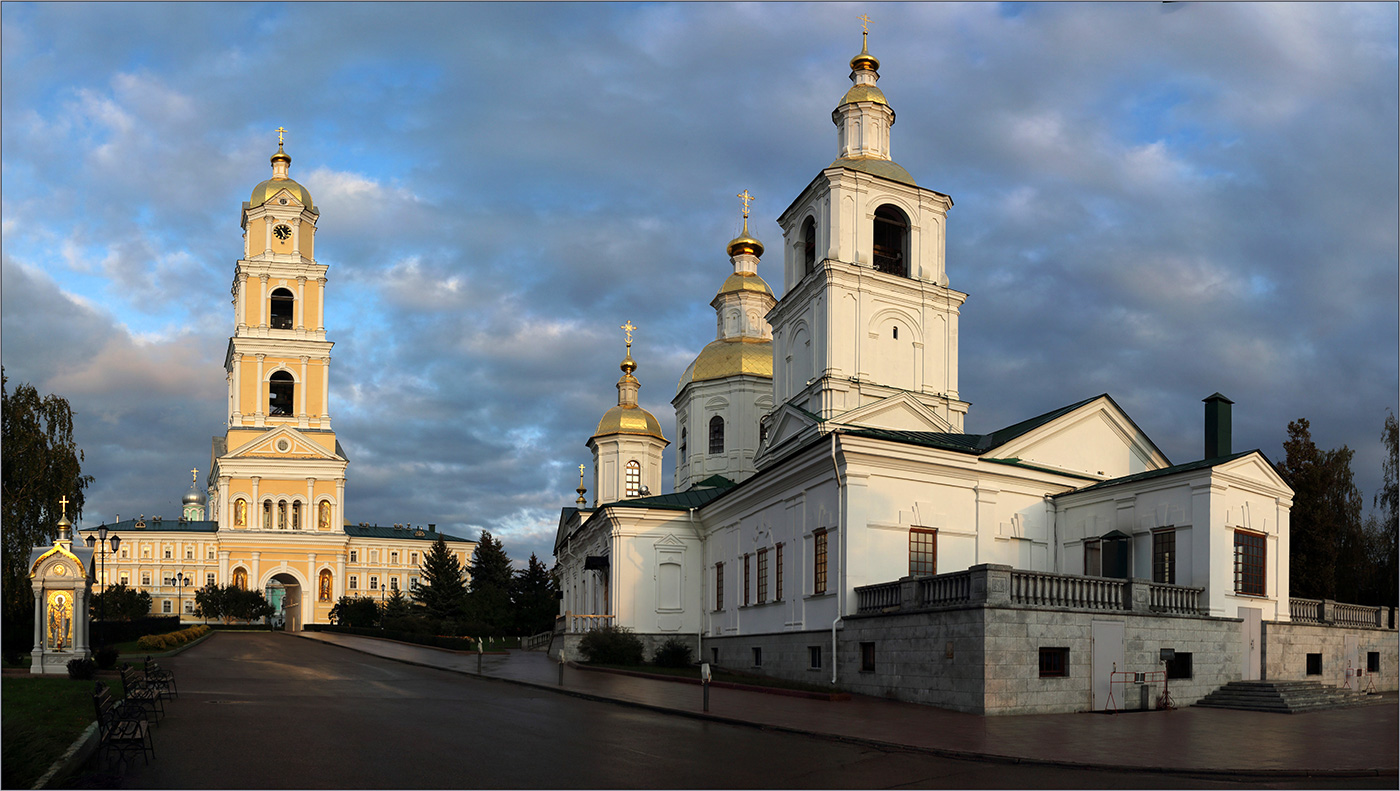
<point>282,232</point>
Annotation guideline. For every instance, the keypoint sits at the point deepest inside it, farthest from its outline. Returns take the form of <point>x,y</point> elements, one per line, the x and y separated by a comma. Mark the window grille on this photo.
<point>762,576</point>
<point>719,586</point>
<point>923,552</point>
<point>1054,662</point>
<point>819,562</point>
<point>1249,563</point>
<point>1164,557</point>
<point>634,479</point>
<point>716,435</point>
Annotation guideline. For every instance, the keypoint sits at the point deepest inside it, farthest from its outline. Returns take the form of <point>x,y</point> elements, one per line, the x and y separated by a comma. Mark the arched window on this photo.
<point>281,392</point>
<point>809,245</point>
<point>891,241</point>
<point>240,513</point>
<point>267,514</point>
<point>323,585</point>
<point>281,514</point>
<point>634,479</point>
<point>296,515</point>
<point>281,313</point>
<point>716,434</point>
<point>323,516</point>
<point>240,578</point>
<point>682,441</point>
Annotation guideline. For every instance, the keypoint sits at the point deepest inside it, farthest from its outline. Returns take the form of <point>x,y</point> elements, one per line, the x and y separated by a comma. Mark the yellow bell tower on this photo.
<point>278,466</point>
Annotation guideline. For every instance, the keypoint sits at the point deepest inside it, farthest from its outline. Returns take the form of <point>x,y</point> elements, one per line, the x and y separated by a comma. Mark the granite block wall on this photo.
<point>1286,646</point>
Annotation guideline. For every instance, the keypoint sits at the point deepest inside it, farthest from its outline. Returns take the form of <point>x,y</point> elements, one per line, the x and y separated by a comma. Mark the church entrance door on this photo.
<point>284,594</point>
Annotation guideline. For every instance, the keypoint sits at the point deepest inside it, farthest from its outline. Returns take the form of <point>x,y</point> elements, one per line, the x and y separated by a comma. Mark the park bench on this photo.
<point>122,728</point>
<point>139,693</point>
<point>159,678</point>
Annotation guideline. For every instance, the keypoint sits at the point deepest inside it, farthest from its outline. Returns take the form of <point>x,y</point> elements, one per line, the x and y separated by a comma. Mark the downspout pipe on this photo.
<point>841,536</point>
<point>700,622</point>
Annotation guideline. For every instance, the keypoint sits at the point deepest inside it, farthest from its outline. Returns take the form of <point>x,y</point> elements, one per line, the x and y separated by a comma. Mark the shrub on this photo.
<point>675,652</point>
<point>14,656</point>
<point>106,657</point>
<point>82,669</point>
<point>612,645</point>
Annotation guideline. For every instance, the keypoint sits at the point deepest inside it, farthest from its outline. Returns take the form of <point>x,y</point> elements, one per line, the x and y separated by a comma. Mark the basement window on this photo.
<point>1054,662</point>
<point>814,657</point>
<point>1315,664</point>
<point>757,657</point>
<point>867,657</point>
<point>1373,662</point>
<point>1180,667</point>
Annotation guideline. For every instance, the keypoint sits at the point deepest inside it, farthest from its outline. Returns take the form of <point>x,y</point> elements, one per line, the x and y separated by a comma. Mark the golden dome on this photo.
<point>864,93</point>
<point>265,191</point>
<point>865,61</point>
<point>629,419</point>
<point>731,357</point>
<point>744,243</point>
<point>884,168</point>
<point>736,283</point>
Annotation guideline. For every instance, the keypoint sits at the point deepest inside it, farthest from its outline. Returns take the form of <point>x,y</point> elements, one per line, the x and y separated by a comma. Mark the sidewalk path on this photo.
<point>1354,741</point>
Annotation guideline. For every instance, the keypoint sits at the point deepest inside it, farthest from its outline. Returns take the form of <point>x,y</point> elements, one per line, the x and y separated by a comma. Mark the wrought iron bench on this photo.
<point>159,678</point>
<point>122,728</point>
<point>140,693</point>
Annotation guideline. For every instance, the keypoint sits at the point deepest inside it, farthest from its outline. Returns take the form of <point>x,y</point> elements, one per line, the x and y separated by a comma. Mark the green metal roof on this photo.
<point>1189,466</point>
<point>128,526</point>
<point>676,501</point>
<point>410,533</point>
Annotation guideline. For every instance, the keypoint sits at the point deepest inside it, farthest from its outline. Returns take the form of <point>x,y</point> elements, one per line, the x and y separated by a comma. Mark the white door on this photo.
<point>1250,642</point>
<point>1108,657</point>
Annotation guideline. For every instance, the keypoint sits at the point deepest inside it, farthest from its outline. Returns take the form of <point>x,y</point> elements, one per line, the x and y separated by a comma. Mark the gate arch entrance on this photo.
<point>284,593</point>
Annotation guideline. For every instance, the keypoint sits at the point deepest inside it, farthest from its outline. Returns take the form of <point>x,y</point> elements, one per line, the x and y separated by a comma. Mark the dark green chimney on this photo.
<point>1217,426</point>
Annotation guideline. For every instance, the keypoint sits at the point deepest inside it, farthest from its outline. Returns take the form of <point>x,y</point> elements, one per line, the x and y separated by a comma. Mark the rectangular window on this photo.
<point>1249,563</point>
<point>1164,557</point>
<point>124,578</point>
<point>146,578</point>
<point>189,553</point>
<point>413,583</point>
<point>374,583</point>
<point>719,586</point>
<point>126,554</point>
<point>354,582</point>
<point>747,575</point>
<point>413,558</point>
<point>1054,662</point>
<point>1180,667</point>
<point>167,553</point>
<point>394,558</point>
<point>145,550</point>
<point>209,578</point>
<point>168,580</point>
<point>762,576</point>
<point>1314,664</point>
<point>165,606</point>
<point>374,556</point>
<point>1093,567</point>
<point>757,657</point>
<point>189,606</point>
<point>393,583</point>
<point>923,552</point>
<point>778,573</point>
<point>819,562</point>
<point>867,657</point>
<point>210,554</point>
<point>814,657</point>
<point>1373,661</point>
<point>354,556</point>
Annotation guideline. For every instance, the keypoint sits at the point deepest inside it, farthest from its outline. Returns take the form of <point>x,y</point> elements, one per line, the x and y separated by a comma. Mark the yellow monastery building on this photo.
<point>275,514</point>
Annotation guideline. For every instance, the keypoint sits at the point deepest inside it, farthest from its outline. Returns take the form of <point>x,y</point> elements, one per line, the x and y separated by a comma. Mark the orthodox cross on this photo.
<point>580,474</point>
<point>745,197</point>
<point>280,131</point>
<point>864,24</point>
<point>628,328</point>
<point>194,475</point>
<point>63,501</point>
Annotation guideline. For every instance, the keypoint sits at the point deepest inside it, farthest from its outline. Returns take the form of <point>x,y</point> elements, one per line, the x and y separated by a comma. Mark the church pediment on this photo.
<point>901,412</point>
<point>1255,469</point>
<point>785,424</point>
<point>1096,439</point>
<point>283,442</point>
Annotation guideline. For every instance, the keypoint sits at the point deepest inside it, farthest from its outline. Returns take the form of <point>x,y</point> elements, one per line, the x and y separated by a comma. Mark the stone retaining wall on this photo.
<point>1287,645</point>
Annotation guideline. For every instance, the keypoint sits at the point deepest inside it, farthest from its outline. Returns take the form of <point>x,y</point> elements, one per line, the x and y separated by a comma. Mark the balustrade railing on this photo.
<point>1174,599</point>
<point>1044,589</point>
<point>945,590</point>
<point>1355,615</point>
<point>877,598</point>
<point>1305,610</point>
<point>580,623</point>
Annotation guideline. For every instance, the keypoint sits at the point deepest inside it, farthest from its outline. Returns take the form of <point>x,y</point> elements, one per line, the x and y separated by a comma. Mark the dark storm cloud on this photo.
<point>1154,201</point>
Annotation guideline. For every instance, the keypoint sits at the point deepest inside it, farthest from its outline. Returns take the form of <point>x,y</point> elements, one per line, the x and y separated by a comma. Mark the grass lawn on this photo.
<point>720,674</point>
<point>40,718</point>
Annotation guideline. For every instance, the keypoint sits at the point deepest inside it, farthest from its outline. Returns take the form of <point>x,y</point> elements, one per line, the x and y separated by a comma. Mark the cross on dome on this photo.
<point>628,328</point>
<point>745,197</point>
<point>280,132</point>
<point>63,501</point>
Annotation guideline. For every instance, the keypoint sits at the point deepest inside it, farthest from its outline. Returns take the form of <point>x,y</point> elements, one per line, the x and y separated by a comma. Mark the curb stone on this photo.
<point>78,752</point>
<point>942,752</point>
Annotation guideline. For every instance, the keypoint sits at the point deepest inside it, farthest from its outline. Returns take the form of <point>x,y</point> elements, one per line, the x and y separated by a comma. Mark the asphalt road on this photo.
<point>272,711</point>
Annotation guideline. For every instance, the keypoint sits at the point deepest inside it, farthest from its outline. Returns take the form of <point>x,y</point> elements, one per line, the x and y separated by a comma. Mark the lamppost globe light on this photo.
<point>90,541</point>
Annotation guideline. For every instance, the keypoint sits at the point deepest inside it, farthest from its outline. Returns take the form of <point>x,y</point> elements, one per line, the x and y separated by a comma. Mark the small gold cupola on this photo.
<point>865,61</point>
<point>627,417</point>
<point>743,244</point>
<point>281,162</point>
<point>863,119</point>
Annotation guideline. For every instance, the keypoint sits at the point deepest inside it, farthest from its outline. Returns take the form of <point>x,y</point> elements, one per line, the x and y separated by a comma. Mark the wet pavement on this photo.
<point>1361,741</point>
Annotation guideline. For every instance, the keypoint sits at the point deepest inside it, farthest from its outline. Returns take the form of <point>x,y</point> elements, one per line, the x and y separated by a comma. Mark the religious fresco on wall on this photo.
<point>59,618</point>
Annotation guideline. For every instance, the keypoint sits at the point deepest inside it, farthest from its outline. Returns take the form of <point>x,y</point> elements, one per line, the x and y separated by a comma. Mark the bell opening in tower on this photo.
<point>283,304</point>
<point>891,241</point>
<point>281,389</point>
<point>809,245</point>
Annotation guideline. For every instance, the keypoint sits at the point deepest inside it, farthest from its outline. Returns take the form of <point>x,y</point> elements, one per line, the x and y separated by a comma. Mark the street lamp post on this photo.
<point>102,560</point>
<point>180,582</point>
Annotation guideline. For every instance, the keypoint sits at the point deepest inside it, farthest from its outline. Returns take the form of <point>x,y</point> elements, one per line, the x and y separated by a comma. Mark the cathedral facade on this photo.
<point>274,516</point>
<point>824,480</point>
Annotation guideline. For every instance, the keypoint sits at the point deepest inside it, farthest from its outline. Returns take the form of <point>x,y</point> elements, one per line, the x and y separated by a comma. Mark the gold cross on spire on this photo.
<point>63,501</point>
<point>280,131</point>
<point>628,328</point>
<point>864,24</point>
<point>745,197</point>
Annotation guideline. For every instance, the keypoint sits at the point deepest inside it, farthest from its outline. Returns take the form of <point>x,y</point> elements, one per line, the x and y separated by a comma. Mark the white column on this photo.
<point>321,304</point>
<point>296,248</point>
<point>313,581</point>
<point>241,300</point>
<point>339,510</point>
<point>301,396</point>
<point>225,510</point>
<point>237,386</point>
<point>262,301</point>
<point>267,235</point>
<point>301,302</point>
<point>255,510</point>
<point>223,567</point>
<point>338,584</point>
<point>258,413</point>
<point>253,578</point>
<point>311,504</point>
<point>325,391</point>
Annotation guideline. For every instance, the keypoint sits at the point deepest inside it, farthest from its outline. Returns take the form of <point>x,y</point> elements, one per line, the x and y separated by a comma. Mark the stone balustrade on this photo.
<point>1004,586</point>
<point>1332,613</point>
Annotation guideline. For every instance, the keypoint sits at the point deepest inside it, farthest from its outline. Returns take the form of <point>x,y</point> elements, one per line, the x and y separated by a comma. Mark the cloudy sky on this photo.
<point>1156,201</point>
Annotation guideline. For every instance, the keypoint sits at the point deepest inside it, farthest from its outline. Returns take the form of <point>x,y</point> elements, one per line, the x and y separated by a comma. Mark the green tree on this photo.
<point>492,578</point>
<point>358,611</point>
<point>441,591</point>
<point>1383,529</point>
<point>120,603</point>
<point>397,605</point>
<point>534,598</point>
<point>230,603</point>
<point>41,465</point>
<point>1327,544</point>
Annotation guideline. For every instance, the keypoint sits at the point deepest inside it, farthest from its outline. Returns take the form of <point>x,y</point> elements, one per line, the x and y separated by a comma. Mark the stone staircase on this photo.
<point>1286,697</point>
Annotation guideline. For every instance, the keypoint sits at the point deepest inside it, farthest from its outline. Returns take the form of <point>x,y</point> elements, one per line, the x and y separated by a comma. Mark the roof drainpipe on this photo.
<point>700,623</point>
<point>841,535</point>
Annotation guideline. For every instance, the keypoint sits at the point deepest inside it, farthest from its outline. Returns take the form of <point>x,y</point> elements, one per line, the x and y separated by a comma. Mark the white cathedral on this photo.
<point>821,450</point>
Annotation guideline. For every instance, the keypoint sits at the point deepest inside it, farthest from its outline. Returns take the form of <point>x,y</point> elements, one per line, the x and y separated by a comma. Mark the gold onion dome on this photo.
<point>629,419</point>
<point>745,244</point>
<point>865,61</point>
<point>730,357</point>
<point>267,190</point>
<point>739,282</point>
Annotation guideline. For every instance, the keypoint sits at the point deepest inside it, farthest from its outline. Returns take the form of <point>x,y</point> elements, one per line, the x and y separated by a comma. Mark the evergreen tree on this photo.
<point>535,602</point>
<point>489,600</point>
<point>397,605</point>
<point>440,590</point>
<point>1327,557</point>
<point>41,464</point>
